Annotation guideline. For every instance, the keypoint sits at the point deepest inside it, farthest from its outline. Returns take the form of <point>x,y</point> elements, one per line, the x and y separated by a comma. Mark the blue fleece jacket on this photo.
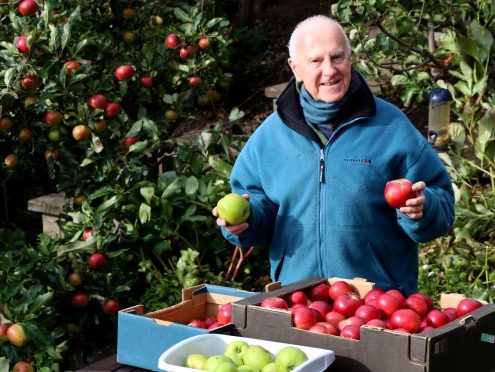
<point>321,208</point>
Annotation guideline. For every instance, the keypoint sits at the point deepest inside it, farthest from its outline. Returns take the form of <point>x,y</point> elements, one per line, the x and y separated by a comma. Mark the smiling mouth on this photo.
<point>330,83</point>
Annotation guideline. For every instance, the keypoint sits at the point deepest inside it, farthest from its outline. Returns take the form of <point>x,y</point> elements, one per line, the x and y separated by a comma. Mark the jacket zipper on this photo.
<point>320,211</point>
<point>322,166</point>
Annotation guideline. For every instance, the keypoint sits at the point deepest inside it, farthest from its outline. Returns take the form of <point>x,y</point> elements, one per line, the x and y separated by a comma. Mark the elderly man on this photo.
<point>315,173</point>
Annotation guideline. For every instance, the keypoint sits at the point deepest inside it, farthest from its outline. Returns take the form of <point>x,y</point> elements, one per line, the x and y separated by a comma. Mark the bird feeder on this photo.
<point>439,118</point>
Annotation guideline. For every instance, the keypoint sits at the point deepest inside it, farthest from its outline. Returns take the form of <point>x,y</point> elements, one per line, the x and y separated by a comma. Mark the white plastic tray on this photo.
<point>174,358</point>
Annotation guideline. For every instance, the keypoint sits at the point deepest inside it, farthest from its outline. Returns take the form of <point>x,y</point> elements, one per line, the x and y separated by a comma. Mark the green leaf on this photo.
<point>66,32</point>
<point>181,15</point>
<point>139,147</point>
<point>54,42</point>
<point>168,98</point>
<point>192,185</point>
<point>9,74</point>
<point>212,22</point>
<point>40,301</point>
<point>144,213</point>
<point>220,166</point>
<point>107,204</point>
<point>235,114</point>
<point>470,47</point>
<point>481,85</point>
<point>35,334</point>
<point>4,364</point>
<point>135,129</point>
<point>171,189</point>
<point>184,68</point>
<point>399,80</point>
<point>483,37</point>
<point>147,193</point>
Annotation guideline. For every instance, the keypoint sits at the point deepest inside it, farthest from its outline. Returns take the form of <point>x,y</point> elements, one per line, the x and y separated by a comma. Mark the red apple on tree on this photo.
<point>23,367</point>
<point>194,81</point>
<point>97,260</point>
<point>16,335</point>
<point>183,53</point>
<point>75,279</point>
<point>25,135</point>
<point>28,7</point>
<point>29,82</point>
<point>11,160</point>
<point>98,101</point>
<point>72,65</point>
<point>88,233</point>
<point>5,124</point>
<point>53,117</point>
<point>204,43</point>
<point>146,81</point>
<point>80,132</point>
<point>398,191</point>
<point>79,299</point>
<point>3,331</point>
<point>21,44</point>
<point>129,141</point>
<point>125,72</point>
<point>112,109</point>
<point>111,307</point>
<point>172,41</point>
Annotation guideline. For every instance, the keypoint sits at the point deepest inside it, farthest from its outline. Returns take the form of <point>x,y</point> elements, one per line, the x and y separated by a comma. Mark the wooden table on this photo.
<point>110,364</point>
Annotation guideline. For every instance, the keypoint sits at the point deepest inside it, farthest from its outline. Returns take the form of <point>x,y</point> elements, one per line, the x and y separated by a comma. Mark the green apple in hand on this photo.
<point>290,357</point>
<point>236,347</point>
<point>213,362</point>
<point>233,208</point>
<point>196,361</point>
<point>257,356</point>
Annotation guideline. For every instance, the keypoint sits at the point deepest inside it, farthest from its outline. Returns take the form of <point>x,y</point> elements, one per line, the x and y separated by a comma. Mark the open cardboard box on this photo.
<point>466,344</point>
<point>143,337</point>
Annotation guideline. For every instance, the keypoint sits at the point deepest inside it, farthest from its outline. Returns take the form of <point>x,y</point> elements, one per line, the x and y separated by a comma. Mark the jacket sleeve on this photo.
<point>247,179</point>
<point>438,211</point>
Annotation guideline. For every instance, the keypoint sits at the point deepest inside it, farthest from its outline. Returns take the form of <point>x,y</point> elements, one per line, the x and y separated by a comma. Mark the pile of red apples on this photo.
<point>336,309</point>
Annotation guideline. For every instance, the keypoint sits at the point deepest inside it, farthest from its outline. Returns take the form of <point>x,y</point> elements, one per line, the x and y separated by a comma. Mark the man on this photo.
<point>315,173</point>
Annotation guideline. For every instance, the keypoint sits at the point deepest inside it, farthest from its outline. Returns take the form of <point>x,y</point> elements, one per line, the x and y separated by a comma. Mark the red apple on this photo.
<point>16,335</point>
<point>407,319</point>
<point>331,329</point>
<point>80,132</point>
<point>297,297</point>
<point>5,124</point>
<point>338,288</point>
<point>398,191</point>
<point>467,305</point>
<point>367,312</point>
<point>23,367</point>
<point>323,307</point>
<point>197,323</point>
<point>53,117</point>
<point>204,43</point>
<point>372,295</point>
<point>318,292</point>
<point>97,260</point>
<point>429,301</point>
<point>387,304</point>
<point>224,313</point>
<point>209,320</point>
<point>397,294</point>
<point>214,325</point>
<point>347,304</point>
<point>351,331</point>
<point>112,109</point>
<point>303,317</point>
<point>377,323</point>
<point>88,233</point>
<point>28,7</point>
<point>129,141</point>
<point>334,318</point>
<point>21,44</point>
<point>417,304</point>
<point>183,53</point>
<point>172,41</point>
<point>111,307</point>
<point>274,303</point>
<point>29,82</point>
<point>451,313</point>
<point>425,329</point>
<point>125,72</point>
<point>72,65</point>
<point>3,331</point>
<point>319,317</point>
<point>353,320</point>
<point>146,81</point>
<point>98,101</point>
<point>194,81</point>
<point>436,318</point>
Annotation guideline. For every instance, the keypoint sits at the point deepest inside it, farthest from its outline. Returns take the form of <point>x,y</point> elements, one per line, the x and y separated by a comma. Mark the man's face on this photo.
<point>323,64</point>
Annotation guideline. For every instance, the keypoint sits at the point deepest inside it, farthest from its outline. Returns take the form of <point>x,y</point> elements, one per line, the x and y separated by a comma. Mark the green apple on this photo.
<point>257,356</point>
<point>237,359</point>
<point>213,362</point>
<point>245,368</point>
<point>290,357</point>
<point>236,347</point>
<point>272,367</point>
<point>233,208</point>
<point>226,367</point>
<point>196,361</point>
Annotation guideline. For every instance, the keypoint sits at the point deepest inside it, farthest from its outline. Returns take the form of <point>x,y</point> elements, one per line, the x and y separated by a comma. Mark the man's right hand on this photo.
<point>233,229</point>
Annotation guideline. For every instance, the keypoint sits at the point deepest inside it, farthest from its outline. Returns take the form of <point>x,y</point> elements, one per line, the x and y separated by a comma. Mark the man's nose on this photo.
<point>327,67</point>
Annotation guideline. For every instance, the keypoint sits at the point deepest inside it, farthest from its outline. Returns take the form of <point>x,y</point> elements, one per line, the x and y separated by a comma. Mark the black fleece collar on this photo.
<point>360,102</point>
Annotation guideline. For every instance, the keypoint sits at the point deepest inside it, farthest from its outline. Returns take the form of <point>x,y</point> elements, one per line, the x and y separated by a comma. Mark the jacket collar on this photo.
<point>360,102</point>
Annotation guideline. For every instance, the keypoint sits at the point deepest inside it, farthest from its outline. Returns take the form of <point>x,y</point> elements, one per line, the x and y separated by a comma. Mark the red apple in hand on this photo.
<point>398,191</point>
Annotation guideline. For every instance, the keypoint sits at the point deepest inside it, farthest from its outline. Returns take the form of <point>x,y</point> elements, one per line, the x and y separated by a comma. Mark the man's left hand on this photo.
<point>414,206</point>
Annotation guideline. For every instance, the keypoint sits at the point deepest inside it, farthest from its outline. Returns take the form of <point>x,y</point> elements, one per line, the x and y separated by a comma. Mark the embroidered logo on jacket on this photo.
<point>352,160</point>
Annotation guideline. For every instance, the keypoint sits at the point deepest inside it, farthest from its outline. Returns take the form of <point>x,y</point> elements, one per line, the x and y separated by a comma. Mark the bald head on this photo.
<point>314,23</point>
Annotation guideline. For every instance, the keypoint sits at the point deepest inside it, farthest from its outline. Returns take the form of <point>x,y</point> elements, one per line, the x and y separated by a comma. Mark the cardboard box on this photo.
<point>466,344</point>
<point>173,359</point>
<point>142,338</point>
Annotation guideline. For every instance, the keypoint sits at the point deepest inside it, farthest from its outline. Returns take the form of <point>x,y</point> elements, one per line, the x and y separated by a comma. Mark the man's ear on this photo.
<point>294,67</point>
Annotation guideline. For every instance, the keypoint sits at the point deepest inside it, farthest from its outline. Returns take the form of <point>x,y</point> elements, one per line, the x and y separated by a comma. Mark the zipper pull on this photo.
<point>322,166</point>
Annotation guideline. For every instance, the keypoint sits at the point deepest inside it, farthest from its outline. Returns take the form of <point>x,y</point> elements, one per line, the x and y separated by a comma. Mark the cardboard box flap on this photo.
<point>136,309</point>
